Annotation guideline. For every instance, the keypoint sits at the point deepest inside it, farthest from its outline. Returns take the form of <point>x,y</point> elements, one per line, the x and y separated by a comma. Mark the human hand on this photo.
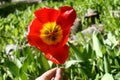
<point>53,74</point>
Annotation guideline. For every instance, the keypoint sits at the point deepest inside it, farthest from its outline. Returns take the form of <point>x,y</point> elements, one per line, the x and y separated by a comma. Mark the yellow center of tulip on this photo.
<point>51,33</point>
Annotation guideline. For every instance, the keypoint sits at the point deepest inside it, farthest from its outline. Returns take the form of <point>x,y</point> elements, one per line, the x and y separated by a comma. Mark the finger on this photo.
<point>47,75</point>
<point>58,75</point>
<point>52,78</point>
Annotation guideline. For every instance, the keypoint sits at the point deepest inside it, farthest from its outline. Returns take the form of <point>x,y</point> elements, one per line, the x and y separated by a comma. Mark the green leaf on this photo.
<point>77,53</point>
<point>106,64</point>
<point>44,63</point>
<point>27,52</point>
<point>23,75</point>
<point>96,45</point>
<point>71,62</point>
<point>117,76</point>
<point>111,40</point>
<point>13,68</point>
<point>107,76</point>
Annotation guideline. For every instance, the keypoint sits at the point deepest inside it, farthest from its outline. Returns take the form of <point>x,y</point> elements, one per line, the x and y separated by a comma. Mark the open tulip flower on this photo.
<point>49,32</point>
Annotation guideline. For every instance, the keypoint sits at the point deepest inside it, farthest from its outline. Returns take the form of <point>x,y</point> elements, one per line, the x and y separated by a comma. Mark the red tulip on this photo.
<point>50,30</point>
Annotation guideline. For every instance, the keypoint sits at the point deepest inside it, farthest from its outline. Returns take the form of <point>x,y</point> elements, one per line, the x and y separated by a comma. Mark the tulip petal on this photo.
<point>60,56</point>
<point>67,17</point>
<point>34,27</point>
<point>46,15</point>
<point>33,32</point>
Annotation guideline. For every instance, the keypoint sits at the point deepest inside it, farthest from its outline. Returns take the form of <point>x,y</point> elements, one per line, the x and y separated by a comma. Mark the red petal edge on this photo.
<point>60,56</point>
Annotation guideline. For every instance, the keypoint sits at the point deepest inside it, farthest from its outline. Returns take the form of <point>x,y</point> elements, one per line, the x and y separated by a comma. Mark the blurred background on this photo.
<point>94,41</point>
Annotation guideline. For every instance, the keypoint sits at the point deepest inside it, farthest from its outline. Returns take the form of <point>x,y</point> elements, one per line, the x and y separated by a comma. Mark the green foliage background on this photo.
<point>97,58</point>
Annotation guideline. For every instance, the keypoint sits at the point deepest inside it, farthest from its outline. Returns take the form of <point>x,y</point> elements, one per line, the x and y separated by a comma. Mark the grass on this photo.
<point>96,58</point>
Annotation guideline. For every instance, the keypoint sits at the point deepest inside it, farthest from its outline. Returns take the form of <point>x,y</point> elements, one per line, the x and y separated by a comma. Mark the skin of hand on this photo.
<point>53,74</point>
